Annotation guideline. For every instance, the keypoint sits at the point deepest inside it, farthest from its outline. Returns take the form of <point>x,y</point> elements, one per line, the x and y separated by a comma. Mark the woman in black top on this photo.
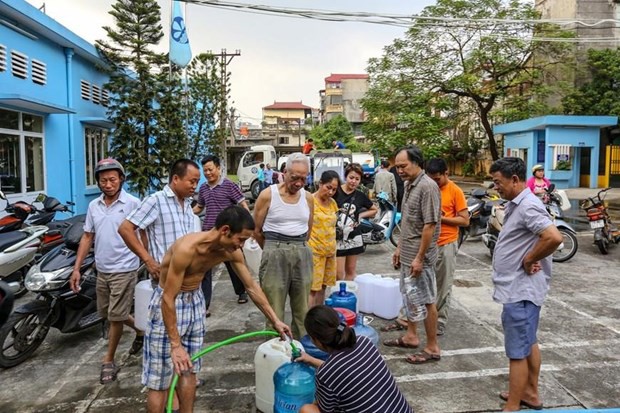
<point>354,367</point>
<point>350,200</point>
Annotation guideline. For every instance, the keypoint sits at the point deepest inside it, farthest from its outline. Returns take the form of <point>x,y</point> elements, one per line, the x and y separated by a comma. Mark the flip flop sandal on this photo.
<point>504,396</point>
<point>137,344</point>
<point>399,342</point>
<point>200,383</point>
<point>109,372</point>
<point>394,326</point>
<point>243,298</point>
<point>423,357</point>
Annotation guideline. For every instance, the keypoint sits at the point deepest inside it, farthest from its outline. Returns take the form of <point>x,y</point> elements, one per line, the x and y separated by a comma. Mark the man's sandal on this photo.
<point>137,344</point>
<point>109,372</point>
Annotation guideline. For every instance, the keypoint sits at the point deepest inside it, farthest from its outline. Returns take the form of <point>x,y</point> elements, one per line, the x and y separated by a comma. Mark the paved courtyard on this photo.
<point>579,334</point>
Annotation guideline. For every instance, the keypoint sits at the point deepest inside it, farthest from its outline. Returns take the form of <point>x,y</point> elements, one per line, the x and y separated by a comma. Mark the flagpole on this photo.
<point>185,85</point>
<point>170,34</point>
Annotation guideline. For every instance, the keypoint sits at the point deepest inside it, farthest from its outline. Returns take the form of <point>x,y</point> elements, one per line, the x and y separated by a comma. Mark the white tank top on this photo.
<point>287,219</point>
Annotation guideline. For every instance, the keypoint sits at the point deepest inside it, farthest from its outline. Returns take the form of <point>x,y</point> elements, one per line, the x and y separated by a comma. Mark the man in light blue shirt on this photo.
<point>116,265</point>
<point>521,276</point>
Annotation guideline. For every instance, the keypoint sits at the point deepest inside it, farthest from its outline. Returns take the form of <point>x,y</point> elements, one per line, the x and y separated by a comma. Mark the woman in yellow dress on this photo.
<point>323,237</point>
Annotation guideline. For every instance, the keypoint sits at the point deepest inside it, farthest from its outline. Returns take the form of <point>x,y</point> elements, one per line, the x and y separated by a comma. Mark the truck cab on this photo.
<point>249,164</point>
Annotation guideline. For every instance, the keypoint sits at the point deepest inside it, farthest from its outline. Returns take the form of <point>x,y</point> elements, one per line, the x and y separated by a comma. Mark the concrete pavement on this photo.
<point>579,336</point>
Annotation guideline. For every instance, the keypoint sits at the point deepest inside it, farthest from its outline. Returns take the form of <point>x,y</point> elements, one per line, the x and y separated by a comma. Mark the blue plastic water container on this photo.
<point>294,387</point>
<point>344,299</point>
<point>313,350</point>
<point>362,329</point>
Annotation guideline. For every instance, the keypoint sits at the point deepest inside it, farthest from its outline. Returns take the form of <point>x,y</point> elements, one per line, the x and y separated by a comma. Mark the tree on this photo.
<point>143,104</point>
<point>204,102</point>
<point>335,129</point>
<point>459,50</point>
<point>601,95</point>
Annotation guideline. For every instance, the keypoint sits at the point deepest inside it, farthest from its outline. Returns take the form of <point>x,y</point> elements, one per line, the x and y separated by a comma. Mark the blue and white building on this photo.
<point>53,124</point>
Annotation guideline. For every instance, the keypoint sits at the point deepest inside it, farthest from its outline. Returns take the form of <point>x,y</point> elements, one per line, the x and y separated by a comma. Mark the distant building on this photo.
<point>342,96</point>
<point>287,123</point>
<point>53,123</point>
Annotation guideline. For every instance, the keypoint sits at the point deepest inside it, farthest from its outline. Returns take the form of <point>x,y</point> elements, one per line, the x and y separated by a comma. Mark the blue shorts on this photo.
<point>157,368</point>
<point>520,323</point>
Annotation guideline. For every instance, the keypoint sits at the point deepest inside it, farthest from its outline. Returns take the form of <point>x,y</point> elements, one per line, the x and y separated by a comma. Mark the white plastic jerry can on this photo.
<point>253,254</point>
<point>143,293</point>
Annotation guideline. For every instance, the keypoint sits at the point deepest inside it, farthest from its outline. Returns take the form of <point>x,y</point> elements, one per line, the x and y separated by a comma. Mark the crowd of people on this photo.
<point>309,241</point>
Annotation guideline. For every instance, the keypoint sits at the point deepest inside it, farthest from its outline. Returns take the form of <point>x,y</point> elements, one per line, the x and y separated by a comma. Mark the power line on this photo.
<point>388,19</point>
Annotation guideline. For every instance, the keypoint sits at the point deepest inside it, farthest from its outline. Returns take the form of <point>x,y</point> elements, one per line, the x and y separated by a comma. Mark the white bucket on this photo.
<point>389,299</point>
<point>268,358</point>
<point>143,293</point>
<point>253,254</point>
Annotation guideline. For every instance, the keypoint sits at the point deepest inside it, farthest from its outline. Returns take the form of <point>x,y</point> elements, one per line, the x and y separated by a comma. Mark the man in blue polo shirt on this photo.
<point>521,276</point>
<point>217,194</point>
<point>116,265</point>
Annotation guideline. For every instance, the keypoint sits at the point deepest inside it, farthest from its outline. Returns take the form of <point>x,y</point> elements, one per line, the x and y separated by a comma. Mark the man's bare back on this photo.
<point>203,254</point>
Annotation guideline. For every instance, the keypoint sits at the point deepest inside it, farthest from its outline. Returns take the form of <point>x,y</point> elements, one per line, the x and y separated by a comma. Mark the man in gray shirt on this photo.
<point>416,255</point>
<point>521,275</point>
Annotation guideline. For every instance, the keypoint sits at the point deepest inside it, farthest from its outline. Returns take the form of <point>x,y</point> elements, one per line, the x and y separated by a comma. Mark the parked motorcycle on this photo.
<point>21,213</point>
<point>553,203</point>
<point>479,205</point>
<point>605,232</point>
<point>55,305</point>
<point>386,225</point>
<point>6,300</point>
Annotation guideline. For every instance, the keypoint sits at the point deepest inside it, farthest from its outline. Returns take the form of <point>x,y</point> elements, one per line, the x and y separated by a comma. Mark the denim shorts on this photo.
<point>520,323</point>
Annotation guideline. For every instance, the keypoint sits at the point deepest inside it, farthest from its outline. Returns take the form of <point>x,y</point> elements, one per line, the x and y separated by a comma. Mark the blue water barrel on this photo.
<point>294,387</point>
<point>344,298</point>
<point>313,350</point>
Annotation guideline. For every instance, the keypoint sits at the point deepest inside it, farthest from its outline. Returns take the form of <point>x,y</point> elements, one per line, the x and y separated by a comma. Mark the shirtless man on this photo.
<point>176,325</point>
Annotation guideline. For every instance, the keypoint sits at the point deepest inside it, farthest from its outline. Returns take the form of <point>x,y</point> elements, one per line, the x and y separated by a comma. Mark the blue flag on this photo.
<point>180,52</point>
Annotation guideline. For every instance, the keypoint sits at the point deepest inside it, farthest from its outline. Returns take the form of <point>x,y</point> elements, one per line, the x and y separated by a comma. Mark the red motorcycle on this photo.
<point>605,232</point>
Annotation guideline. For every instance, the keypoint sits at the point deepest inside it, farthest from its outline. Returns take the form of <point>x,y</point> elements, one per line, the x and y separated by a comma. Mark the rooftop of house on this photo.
<point>339,77</point>
<point>287,105</point>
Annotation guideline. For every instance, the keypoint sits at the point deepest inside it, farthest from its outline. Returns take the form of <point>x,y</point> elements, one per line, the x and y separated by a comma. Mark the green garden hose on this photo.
<point>202,352</point>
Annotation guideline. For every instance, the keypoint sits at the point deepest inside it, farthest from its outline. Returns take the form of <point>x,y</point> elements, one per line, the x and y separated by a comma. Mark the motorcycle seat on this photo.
<point>11,238</point>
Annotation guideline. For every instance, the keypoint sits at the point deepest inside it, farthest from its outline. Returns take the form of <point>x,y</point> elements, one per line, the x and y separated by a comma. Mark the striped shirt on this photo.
<point>217,198</point>
<point>164,220</point>
<point>358,380</point>
<point>421,205</point>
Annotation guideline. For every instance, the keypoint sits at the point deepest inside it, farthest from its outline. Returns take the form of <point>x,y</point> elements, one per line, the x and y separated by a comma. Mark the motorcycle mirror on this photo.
<point>491,185</point>
<point>551,188</point>
<point>2,196</point>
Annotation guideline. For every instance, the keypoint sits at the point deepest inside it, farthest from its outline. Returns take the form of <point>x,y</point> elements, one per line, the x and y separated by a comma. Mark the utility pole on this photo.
<point>224,60</point>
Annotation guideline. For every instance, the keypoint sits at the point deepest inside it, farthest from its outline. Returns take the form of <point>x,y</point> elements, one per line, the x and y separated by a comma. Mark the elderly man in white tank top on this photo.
<point>283,217</point>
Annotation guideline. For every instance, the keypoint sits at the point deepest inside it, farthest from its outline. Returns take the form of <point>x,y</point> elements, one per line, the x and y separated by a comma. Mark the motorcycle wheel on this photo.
<point>603,246</point>
<point>570,246</point>
<point>14,345</point>
<point>463,234</point>
<point>395,235</point>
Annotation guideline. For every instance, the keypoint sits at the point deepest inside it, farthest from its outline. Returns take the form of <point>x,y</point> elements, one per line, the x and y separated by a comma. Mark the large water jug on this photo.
<point>344,298</point>
<point>362,329</point>
<point>294,387</point>
<point>389,299</point>
<point>142,298</point>
<point>364,292</point>
<point>268,358</point>
<point>253,254</point>
<point>313,350</point>
<point>351,287</point>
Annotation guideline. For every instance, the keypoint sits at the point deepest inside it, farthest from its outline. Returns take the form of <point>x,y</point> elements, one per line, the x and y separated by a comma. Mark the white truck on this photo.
<point>248,167</point>
<point>320,161</point>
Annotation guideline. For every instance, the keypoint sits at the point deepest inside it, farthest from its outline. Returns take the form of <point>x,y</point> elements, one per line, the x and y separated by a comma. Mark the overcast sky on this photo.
<point>283,59</point>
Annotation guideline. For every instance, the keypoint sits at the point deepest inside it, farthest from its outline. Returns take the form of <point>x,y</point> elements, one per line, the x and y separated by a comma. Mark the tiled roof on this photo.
<point>287,105</point>
<point>335,78</point>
